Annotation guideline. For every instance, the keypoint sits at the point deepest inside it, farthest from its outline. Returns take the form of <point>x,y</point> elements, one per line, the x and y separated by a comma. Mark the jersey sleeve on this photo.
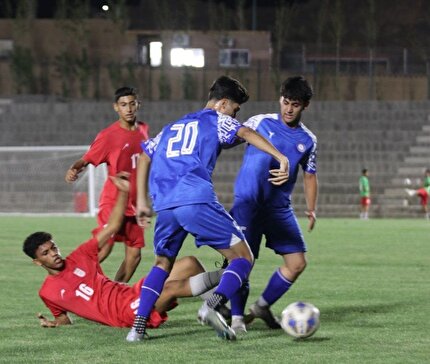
<point>150,146</point>
<point>227,128</point>
<point>253,122</point>
<point>88,249</point>
<point>55,310</point>
<point>98,152</point>
<point>309,164</point>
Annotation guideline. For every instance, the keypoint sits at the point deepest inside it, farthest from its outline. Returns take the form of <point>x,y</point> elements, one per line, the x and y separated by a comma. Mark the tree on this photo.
<point>22,70</point>
<point>240,11</point>
<point>284,15</point>
<point>337,22</point>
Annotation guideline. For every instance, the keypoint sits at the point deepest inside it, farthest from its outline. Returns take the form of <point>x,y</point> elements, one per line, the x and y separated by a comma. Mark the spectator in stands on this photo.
<point>118,146</point>
<point>364,187</point>
<point>423,193</point>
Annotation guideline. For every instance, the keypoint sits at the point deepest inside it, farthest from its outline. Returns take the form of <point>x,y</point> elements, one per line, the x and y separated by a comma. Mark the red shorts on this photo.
<point>130,233</point>
<point>365,201</point>
<point>423,195</point>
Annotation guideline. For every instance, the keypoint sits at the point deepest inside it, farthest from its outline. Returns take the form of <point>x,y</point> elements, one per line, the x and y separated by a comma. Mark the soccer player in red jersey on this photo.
<point>119,147</point>
<point>77,284</point>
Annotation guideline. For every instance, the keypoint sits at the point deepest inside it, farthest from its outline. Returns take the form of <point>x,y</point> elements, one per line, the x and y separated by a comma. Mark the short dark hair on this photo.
<point>296,88</point>
<point>125,91</point>
<point>33,242</point>
<point>364,171</point>
<point>226,87</point>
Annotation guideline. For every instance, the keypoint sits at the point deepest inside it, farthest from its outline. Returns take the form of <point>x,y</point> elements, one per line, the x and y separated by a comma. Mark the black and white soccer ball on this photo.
<point>300,319</point>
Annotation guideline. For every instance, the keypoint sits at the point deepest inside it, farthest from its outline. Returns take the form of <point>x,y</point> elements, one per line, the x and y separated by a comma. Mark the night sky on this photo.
<point>46,8</point>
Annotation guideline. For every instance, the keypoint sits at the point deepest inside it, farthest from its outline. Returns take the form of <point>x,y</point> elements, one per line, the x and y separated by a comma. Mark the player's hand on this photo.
<point>284,165</point>
<point>280,175</point>
<point>121,181</point>
<point>72,175</point>
<point>143,214</point>
<point>44,322</point>
<point>312,219</point>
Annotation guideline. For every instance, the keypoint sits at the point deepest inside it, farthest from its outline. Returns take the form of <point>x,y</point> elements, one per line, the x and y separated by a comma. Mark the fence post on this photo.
<point>371,77</point>
<point>405,61</point>
<point>428,78</point>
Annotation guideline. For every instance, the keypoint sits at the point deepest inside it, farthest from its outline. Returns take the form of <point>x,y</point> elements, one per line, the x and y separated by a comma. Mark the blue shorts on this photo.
<point>209,223</point>
<point>279,226</point>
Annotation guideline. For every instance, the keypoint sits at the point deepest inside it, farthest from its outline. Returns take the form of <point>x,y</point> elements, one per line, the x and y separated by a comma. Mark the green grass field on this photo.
<point>370,280</point>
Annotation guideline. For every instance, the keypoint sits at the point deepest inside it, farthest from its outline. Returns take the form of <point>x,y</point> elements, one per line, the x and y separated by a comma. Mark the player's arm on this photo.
<point>62,319</point>
<point>310,182</point>
<point>74,170</point>
<point>117,214</point>
<point>143,204</point>
<point>280,175</point>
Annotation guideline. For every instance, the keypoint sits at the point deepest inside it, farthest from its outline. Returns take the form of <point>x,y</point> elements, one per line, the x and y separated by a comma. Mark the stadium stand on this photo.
<point>390,139</point>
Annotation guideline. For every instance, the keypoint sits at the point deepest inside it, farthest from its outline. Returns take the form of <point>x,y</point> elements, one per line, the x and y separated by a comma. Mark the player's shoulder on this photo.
<point>254,121</point>
<point>111,128</point>
<point>308,132</point>
<point>266,117</point>
<point>142,125</point>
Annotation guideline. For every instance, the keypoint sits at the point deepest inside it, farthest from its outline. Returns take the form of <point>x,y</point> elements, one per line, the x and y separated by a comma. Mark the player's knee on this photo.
<point>134,255</point>
<point>245,252</point>
<point>298,267</point>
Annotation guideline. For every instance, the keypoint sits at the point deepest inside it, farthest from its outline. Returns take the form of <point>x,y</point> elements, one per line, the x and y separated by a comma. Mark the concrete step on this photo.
<point>423,139</point>
<point>425,149</point>
<point>410,171</point>
<point>418,160</point>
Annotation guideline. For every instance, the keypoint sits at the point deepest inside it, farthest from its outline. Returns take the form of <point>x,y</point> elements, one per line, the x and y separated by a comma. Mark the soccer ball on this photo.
<point>300,319</point>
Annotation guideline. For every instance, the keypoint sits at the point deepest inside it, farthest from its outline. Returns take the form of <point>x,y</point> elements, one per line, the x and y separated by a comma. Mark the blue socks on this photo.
<point>151,289</point>
<point>276,287</point>
<point>232,279</point>
<point>238,301</point>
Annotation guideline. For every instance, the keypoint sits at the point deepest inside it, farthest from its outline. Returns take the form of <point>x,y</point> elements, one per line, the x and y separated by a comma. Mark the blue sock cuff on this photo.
<point>286,280</point>
<point>241,267</point>
<point>155,279</point>
<point>151,290</point>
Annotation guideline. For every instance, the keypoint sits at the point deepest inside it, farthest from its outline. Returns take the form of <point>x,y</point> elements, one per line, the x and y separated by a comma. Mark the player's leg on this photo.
<point>168,239</point>
<point>251,222</point>
<point>423,195</point>
<point>366,208</point>
<point>234,277</point>
<point>286,239</point>
<point>128,266</point>
<point>203,221</point>
<point>133,237</point>
<point>188,278</point>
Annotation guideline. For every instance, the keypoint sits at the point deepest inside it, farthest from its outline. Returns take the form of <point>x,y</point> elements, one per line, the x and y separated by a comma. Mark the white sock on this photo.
<point>262,302</point>
<point>205,281</point>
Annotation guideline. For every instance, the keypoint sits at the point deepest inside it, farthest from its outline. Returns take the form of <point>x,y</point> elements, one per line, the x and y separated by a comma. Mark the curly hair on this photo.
<point>33,242</point>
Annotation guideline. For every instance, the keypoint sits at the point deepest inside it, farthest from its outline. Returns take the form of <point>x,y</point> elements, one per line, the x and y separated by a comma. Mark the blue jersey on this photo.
<point>298,144</point>
<point>183,157</point>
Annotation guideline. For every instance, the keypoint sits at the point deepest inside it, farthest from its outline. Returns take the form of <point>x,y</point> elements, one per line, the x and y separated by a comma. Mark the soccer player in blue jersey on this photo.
<point>182,158</point>
<point>261,208</point>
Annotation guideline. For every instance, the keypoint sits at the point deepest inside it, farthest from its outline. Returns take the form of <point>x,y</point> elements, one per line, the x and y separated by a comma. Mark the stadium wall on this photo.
<point>390,139</point>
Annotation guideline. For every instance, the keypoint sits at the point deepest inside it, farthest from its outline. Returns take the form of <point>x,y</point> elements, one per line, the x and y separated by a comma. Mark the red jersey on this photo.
<point>108,145</point>
<point>83,289</point>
